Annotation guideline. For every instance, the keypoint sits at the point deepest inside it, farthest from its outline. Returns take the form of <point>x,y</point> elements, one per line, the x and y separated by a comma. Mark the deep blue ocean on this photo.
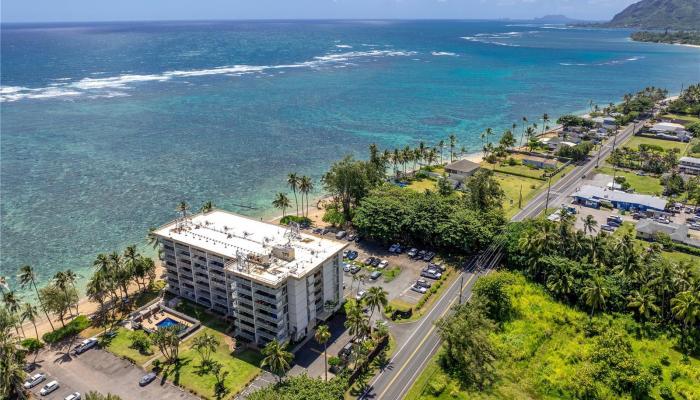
<point>106,126</point>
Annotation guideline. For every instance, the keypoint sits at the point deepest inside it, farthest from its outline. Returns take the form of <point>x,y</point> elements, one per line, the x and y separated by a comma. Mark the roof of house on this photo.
<point>677,232</point>
<point>598,193</point>
<point>667,127</point>
<point>693,160</point>
<point>462,166</point>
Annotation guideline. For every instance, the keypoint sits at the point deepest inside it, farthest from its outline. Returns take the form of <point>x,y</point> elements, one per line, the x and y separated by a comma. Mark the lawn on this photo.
<point>635,141</point>
<point>641,184</point>
<point>422,185</point>
<point>544,348</point>
<point>242,366</point>
<point>517,169</point>
<point>512,185</point>
<point>688,118</point>
<point>121,346</point>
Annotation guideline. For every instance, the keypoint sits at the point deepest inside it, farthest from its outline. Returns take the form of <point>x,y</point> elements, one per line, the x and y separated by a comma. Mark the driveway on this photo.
<point>100,371</point>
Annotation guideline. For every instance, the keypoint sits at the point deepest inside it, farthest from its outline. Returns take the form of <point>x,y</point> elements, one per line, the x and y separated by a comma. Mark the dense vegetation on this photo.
<point>544,349</point>
<point>302,387</point>
<point>660,14</point>
<point>688,101</point>
<point>646,157</point>
<point>680,37</point>
<point>452,221</point>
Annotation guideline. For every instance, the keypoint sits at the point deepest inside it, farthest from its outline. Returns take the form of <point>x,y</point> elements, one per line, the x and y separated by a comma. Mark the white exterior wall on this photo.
<point>297,300</point>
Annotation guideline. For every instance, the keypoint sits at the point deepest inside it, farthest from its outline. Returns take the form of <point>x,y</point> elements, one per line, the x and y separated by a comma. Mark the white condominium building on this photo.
<point>275,282</point>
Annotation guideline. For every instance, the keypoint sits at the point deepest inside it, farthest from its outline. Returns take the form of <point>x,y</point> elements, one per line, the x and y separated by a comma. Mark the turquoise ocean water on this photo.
<point>105,127</point>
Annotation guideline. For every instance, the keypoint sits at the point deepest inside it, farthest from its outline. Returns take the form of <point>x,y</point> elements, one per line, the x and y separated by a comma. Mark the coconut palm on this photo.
<point>12,303</point>
<point>26,278</point>
<point>277,358</point>
<point>293,182</point>
<point>523,134</point>
<point>356,321</point>
<point>96,290</point>
<point>595,293</point>
<point>686,309</point>
<point>589,224</point>
<point>545,119</point>
<point>72,278</point>
<point>376,298</point>
<point>207,206</point>
<point>282,202</point>
<point>322,336</point>
<point>643,302</point>
<point>30,313</point>
<point>453,142</point>
<point>152,239</point>
<point>64,280</point>
<point>205,344</point>
<point>441,145</point>
<point>306,185</point>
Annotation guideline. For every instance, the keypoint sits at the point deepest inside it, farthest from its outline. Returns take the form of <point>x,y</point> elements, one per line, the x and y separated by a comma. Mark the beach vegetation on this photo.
<point>349,181</point>
<point>77,325</point>
<point>12,356</point>
<point>303,387</point>
<point>688,102</point>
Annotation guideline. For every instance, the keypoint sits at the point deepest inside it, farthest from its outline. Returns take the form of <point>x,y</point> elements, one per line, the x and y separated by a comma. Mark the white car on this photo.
<point>383,264</point>
<point>73,396</point>
<point>85,345</point>
<point>49,388</point>
<point>360,295</point>
<point>346,267</point>
<point>419,289</point>
<point>34,380</point>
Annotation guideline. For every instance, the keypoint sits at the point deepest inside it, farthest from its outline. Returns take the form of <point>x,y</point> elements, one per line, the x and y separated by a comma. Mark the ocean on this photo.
<point>104,127</point>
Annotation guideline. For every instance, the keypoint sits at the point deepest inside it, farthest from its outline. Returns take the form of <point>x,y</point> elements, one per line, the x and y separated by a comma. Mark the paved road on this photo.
<point>414,353</point>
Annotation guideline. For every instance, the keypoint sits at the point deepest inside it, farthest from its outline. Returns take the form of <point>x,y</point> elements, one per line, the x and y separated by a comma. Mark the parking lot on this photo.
<point>101,371</point>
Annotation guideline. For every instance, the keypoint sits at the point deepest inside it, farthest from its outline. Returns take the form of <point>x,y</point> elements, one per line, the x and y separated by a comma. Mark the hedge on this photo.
<point>74,327</point>
<point>31,344</point>
<point>295,218</point>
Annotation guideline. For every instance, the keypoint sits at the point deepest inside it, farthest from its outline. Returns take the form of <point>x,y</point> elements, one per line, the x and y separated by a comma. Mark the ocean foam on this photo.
<point>343,46</point>
<point>444,53</point>
<point>104,87</point>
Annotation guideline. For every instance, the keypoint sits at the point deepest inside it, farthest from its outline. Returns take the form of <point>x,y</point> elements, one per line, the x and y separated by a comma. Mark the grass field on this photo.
<point>544,348</point>
<point>511,185</point>
<point>641,184</point>
<point>423,184</point>
<point>517,170</point>
<point>121,346</point>
<point>635,141</point>
<point>243,367</point>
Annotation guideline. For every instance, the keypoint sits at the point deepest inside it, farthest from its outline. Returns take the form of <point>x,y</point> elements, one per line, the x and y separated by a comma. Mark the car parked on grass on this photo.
<point>49,388</point>
<point>34,380</point>
<point>419,289</point>
<point>148,378</point>
<point>73,396</point>
<point>368,261</point>
<point>375,275</point>
<point>375,262</point>
<point>354,269</point>
<point>85,345</point>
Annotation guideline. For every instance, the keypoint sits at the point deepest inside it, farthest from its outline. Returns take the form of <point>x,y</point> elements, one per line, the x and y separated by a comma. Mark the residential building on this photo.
<point>689,165</point>
<point>604,122</point>
<point>649,229</point>
<point>670,131</point>
<point>461,169</point>
<point>593,196</point>
<point>540,162</point>
<point>273,282</point>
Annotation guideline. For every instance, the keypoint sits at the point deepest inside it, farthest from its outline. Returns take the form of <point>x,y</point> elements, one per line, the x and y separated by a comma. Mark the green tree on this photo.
<point>376,298</point>
<point>356,321</point>
<point>277,358</point>
<point>322,336</point>
<point>490,291</point>
<point>686,309</point>
<point>293,182</point>
<point>207,207</point>
<point>140,341</point>
<point>643,301</point>
<point>306,185</point>
<point>12,303</point>
<point>168,342</point>
<point>30,313</point>
<point>595,293</point>
<point>92,395</point>
<point>27,278</point>
<point>484,191</point>
<point>507,140</point>
<point>349,181</point>
<point>282,202</point>
<point>589,224</point>
<point>59,301</point>
<point>205,345</point>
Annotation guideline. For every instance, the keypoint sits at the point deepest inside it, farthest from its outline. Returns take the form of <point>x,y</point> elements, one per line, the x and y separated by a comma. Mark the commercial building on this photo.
<point>273,282</point>
<point>689,165</point>
<point>593,196</point>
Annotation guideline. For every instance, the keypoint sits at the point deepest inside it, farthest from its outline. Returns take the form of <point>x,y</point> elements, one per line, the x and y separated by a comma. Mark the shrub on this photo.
<point>656,370</point>
<point>74,327</point>
<point>32,344</point>
<point>140,342</point>
<point>675,374</point>
<point>334,361</point>
<point>665,360</point>
<point>437,386</point>
<point>512,161</point>
<point>295,218</point>
<point>666,393</point>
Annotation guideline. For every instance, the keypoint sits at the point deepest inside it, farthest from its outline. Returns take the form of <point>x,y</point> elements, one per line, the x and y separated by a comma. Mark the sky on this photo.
<point>137,10</point>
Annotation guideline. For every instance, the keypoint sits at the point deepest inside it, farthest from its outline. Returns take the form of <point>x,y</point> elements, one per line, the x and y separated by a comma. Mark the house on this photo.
<point>594,196</point>
<point>670,131</point>
<point>552,143</point>
<point>461,169</point>
<point>540,162</point>
<point>648,229</point>
<point>689,165</point>
<point>275,283</point>
<point>604,122</point>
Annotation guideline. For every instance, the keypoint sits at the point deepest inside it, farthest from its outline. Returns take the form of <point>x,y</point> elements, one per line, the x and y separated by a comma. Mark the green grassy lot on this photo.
<point>688,118</point>
<point>511,187</point>
<point>543,349</point>
<point>635,141</point>
<point>641,184</point>
<point>121,346</point>
<point>391,273</point>
<point>422,184</point>
<point>243,367</point>
<point>518,169</point>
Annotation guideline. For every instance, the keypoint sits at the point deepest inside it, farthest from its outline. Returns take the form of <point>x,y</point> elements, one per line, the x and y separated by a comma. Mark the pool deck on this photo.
<point>150,322</point>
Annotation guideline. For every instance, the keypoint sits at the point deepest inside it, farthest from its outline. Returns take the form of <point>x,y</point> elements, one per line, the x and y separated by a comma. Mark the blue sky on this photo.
<point>132,10</point>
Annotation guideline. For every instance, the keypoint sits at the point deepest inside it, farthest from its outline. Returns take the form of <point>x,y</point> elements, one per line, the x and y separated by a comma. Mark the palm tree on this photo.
<point>96,290</point>
<point>431,157</point>
<point>26,278</point>
<point>207,206</point>
<point>182,208</point>
<point>441,145</point>
<point>306,185</point>
<point>134,263</point>
<point>545,119</point>
<point>643,302</point>
<point>205,345</point>
<point>281,202</point>
<point>376,298</point>
<point>12,303</point>
<point>561,282</point>
<point>277,358</point>
<point>323,335</point>
<point>71,278</point>
<point>293,182</point>
<point>3,285</point>
<point>686,308</point>
<point>356,320</point>
<point>595,293</point>
<point>453,141</point>
<point>523,134</point>
<point>589,224</point>
<point>29,313</point>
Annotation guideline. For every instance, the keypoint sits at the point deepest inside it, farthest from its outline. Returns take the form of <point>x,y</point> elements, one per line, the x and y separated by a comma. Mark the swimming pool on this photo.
<point>167,323</point>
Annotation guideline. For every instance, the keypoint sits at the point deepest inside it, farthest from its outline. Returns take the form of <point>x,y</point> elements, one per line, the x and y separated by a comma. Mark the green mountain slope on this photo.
<point>660,14</point>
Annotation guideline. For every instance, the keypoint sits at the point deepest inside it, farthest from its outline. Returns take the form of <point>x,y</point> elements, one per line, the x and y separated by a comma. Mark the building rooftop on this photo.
<point>462,166</point>
<point>598,193</point>
<point>693,160</point>
<point>258,250</point>
<point>667,127</point>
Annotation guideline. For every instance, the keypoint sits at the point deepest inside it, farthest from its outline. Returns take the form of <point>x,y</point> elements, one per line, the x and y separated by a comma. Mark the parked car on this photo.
<point>662,220</point>
<point>346,267</point>
<point>607,228</point>
<point>393,248</point>
<point>73,396</point>
<point>614,219</point>
<point>368,261</point>
<point>85,345</point>
<point>148,378</point>
<point>431,273</point>
<point>383,264</point>
<point>398,249</point>
<point>413,252</point>
<point>354,269</point>
<point>694,226</point>
<point>352,254</point>
<point>438,267</point>
<point>428,256</point>
<point>49,388</point>
<point>345,352</point>
<point>637,216</point>
<point>419,289</point>
<point>375,275</point>
<point>340,235</point>
<point>360,295</point>
<point>375,262</point>
<point>423,283</point>
<point>351,237</point>
<point>34,380</point>
<point>420,254</point>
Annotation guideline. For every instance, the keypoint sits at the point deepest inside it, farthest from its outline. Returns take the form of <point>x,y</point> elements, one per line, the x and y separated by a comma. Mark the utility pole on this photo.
<point>461,286</point>
<point>549,186</point>
<point>611,152</point>
<point>520,197</point>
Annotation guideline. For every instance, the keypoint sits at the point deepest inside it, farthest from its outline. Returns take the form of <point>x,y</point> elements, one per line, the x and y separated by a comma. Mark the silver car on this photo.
<point>34,380</point>
<point>49,388</point>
